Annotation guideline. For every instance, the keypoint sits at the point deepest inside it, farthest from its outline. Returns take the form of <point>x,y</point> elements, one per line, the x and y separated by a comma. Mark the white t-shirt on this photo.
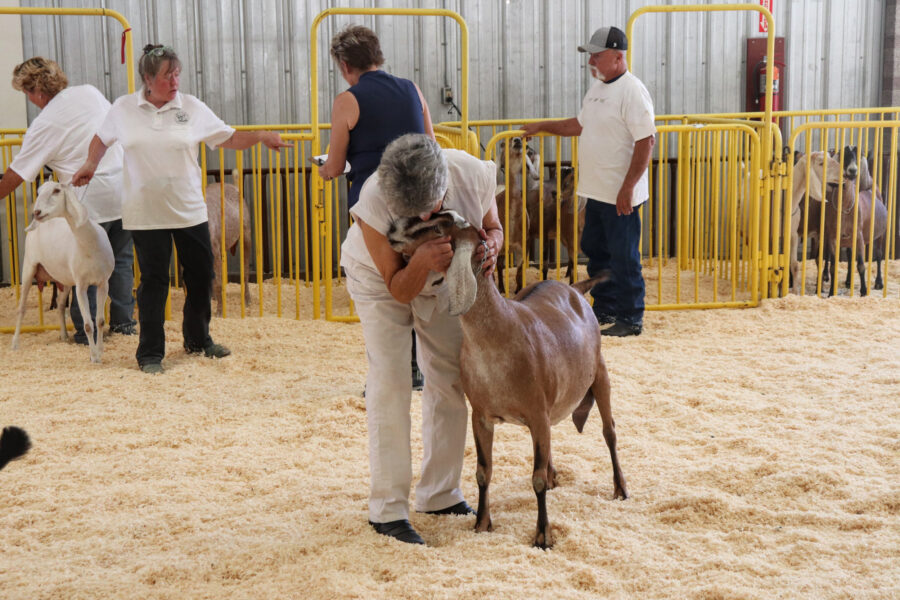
<point>163,182</point>
<point>60,137</point>
<point>470,192</point>
<point>613,117</point>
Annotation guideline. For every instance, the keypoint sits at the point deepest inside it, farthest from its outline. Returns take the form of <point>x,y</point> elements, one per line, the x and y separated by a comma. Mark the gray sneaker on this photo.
<point>211,350</point>
<point>152,368</point>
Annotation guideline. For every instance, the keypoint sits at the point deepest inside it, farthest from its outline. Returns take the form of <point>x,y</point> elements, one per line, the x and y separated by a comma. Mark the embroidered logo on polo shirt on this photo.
<point>182,117</point>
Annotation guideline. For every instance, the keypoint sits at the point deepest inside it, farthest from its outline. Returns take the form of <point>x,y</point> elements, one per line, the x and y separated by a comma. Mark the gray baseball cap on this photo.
<point>604,39</point>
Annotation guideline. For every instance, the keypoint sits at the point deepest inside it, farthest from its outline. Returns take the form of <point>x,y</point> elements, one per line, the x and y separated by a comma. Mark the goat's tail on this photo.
<point>14,443</point>
<point>584,287</point>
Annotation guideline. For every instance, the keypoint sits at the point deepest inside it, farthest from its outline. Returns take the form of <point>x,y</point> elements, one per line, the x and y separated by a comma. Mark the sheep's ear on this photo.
<point>74,207</point>
<point>461,279</point>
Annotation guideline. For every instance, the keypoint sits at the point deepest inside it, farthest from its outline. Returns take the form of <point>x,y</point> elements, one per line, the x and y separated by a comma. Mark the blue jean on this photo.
<point>121,283</point>
<point>612,242</point>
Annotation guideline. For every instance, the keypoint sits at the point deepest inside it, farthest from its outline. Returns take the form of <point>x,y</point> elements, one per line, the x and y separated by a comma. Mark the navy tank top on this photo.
<point>388,108</point>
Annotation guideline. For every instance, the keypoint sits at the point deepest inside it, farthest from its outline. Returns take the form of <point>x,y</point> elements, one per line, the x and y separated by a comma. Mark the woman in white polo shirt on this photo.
<point>160,130</point>
<point>59,137</point>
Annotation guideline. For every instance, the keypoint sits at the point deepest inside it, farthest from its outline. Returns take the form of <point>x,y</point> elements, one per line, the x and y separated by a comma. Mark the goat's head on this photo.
<point>516,147</point>
<point>820,167</point>
<point>57,200</point>
<point>408,233</point>
<point>850,162</point>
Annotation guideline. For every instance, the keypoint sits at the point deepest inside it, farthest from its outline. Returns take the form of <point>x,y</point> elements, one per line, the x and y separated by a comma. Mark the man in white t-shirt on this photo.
<point>394,296</point>
<point>616,135</point>
<point>59,137</point>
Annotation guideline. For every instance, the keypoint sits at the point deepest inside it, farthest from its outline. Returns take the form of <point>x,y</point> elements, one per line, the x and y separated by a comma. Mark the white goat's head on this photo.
<point>57,200</point>
<point>819,166</point>
<point>408,233</point>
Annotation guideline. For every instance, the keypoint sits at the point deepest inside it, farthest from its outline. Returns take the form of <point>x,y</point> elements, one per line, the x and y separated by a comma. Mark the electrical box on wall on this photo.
<point>757,70</point>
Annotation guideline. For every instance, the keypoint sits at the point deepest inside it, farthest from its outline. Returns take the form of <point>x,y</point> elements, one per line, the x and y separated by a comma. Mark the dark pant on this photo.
<point>154,253</point>
<point>121,282</point>
<point>612,242</point>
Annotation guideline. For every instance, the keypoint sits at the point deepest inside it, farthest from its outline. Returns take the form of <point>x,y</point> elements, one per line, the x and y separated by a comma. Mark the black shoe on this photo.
<point>124,329</point>
<point>621,329</point>
<point>399,530</point>
<point>605,319</point>
<point>82,341</point>
<point>418,379</point>
<point>457,509</point>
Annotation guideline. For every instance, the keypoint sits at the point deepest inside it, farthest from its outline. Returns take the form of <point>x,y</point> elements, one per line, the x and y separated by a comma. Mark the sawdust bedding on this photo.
<point>761,449</point>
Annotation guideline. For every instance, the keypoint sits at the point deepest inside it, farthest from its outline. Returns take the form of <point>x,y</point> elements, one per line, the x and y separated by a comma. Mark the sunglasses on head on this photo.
<point>159,51</point>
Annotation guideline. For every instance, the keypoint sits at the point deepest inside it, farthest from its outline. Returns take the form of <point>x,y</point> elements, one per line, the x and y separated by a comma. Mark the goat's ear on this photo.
<point>460,278</point>
<point>74,207</point>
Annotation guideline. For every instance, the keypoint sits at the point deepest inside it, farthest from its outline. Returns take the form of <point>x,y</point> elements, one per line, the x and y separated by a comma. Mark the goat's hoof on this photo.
<point>482,528</point>
<point>544,540</point>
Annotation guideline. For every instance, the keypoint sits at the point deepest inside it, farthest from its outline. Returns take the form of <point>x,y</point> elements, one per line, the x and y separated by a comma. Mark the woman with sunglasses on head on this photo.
<point>160,130</point>
<point>59,137</point>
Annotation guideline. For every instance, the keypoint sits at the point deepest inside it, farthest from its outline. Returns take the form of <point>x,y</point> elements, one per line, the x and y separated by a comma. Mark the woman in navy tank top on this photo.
<point>377,109</point>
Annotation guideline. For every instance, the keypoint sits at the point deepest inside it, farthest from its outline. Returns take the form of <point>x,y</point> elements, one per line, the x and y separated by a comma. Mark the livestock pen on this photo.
<point>760,446</point>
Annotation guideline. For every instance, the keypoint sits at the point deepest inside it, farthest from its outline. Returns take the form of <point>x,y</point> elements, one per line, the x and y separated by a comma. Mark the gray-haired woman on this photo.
<point>161,130</point>
<point>394,296</point>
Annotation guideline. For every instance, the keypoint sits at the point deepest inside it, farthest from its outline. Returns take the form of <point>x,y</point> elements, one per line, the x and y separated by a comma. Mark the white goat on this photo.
<point>548,331</point>
<point>232,234</point>
<point>821,167</point>
<point>73,250</point>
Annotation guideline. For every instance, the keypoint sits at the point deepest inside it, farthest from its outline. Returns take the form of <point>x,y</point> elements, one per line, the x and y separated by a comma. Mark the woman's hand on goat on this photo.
<point>84,175</point>
<point>434,254</point>
<point>486,253</point>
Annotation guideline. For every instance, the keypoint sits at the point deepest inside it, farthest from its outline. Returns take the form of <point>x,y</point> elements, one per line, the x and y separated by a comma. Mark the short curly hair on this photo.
<point>413,174</point>
<point>39,74</point>
<point>357,46</point>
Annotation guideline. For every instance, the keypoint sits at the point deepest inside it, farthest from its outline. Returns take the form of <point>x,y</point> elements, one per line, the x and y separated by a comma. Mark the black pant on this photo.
<point>154,253</point>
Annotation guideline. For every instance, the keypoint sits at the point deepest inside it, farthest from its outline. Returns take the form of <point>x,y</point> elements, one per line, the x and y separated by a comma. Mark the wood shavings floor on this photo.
<point>761,449</point>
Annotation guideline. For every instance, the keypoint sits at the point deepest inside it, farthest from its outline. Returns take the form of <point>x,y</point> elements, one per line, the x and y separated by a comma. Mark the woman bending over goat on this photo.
<point>395,294</point>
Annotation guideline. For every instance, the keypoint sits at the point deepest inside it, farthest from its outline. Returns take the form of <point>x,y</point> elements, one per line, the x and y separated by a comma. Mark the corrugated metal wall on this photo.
<point>249,59</point>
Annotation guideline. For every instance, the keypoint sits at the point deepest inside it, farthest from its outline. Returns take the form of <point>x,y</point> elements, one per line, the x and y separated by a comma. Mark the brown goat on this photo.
<point>547,330</point>
<point>519,153</point>
<point>870,207</point>
<point>232,234</point>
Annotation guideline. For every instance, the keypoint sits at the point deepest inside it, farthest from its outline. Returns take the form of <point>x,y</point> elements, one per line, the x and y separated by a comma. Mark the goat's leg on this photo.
<point>100,316</point>
<point>794,264</point>
<point>217,278</point>
<point>860,265</point>
<point>483,432</point>
<point>29,270</point>
<point>879,283</point>
<point>248,248</point>
<point>601,390</point>
<point>63,302</point>
<point>540,481</point>
<point>551,473</point>
<point>81,293</point>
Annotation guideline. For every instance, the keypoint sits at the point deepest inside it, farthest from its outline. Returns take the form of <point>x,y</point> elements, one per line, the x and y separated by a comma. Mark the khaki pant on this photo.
<point>386,328</point>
